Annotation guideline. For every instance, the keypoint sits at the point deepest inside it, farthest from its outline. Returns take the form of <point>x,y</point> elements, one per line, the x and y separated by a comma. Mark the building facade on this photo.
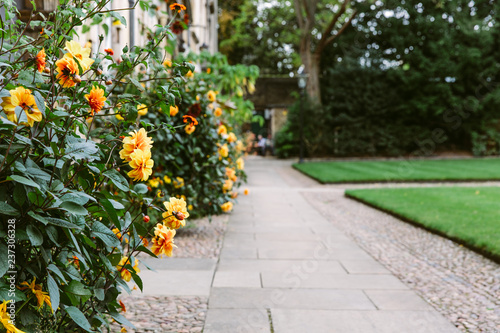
<point>199,18</point>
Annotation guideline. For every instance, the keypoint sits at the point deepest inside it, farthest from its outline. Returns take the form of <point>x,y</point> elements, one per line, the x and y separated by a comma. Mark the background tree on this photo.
<point>320,23</point>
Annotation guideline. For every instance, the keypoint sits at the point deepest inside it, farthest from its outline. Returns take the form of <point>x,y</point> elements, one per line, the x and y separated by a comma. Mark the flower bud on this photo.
<point>99,71</point>
<point>77,78</point>
<point>46,70</point>
<point>178,215</point>
<point>146,219</point>
<point>109,82</point>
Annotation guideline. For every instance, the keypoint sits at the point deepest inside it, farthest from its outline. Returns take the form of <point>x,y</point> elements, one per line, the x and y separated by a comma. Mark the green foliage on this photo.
<point>64,188</point>
<point>262,34</point>
<point>468,215</point>
<point>414,78</point>
<point>191,165</point>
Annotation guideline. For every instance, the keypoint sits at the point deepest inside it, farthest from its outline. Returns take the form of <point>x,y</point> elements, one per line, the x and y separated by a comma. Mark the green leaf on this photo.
<point>99,294</point>
<point>62,223</point>
<point>116,204</point>
<point>137,280</point>
<point>52,233</point>
<point>56,270</point>
<point>107,236</point>
<point>7,209</point>
<point>4,263</point>
<point>40,102</point>
<point>109,208</point>
<point>141,188</point>
<point>118,180</point>
<point>23,180</point>
<point>121,319</point>
<point>137,84</point>
<point>53,292</point>
<point>78,317</point>
<point>78,148</point>
<point>34,235</point>
<point>77,288</point>
<point>38,217</point>
<point>74,208</point>
<point>79,198</point>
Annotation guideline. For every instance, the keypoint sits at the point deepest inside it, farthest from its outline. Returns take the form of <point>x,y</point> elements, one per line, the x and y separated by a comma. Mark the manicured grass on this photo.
<point>468,215</point>
<point>404,170</point>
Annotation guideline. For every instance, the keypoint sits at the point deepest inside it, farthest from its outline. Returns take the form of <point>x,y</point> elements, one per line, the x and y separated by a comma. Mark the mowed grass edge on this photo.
<point>467,215</point>
<point>472,169</point>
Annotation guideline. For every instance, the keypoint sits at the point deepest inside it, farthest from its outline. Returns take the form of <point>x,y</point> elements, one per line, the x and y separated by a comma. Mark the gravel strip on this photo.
<point>201,238</point>
<point>460,284</point>
<point>164,314</point>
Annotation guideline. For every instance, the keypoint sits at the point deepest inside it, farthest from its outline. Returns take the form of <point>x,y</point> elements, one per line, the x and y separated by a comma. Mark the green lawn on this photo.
<point>468,215</point>
<point>414,170</point>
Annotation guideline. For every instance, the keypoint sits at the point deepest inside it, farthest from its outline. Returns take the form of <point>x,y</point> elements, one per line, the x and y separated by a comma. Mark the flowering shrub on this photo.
<point>202,162</point>
<point>73,198</point>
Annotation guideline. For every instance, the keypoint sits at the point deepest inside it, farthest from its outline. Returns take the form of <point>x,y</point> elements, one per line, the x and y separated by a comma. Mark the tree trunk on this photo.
<point>311,63</point>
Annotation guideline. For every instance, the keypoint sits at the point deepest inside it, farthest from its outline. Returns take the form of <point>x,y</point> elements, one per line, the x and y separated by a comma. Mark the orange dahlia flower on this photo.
<point>163,242</point>
<point>96,99</point>
<point>177,7</point>
<point>40,60</point>
<point>67,70</point>
<point>190,119</point>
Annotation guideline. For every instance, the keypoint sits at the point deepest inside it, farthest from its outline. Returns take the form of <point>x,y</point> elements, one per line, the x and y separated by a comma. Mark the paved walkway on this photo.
<point>284,268</point>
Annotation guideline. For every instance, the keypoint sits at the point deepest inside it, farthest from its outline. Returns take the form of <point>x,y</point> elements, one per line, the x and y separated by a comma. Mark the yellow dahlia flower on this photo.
<point>224,150</point>
<point>41,296</point>
<point>24,99</point>
<point>189,128</point>
<point>176,214</point>
<point>231,174</point>
<point>222,130</point>
<point>142,165</point>
<point>82,54</point>
<point>136,140</point>
<point>142,109</point>
<point>174,110</point>
<point>178,182</point>
<point>231,137</point>
<point>227,207</point>
<point>5,319</point>
<point>125,273</point>
<point>211,95</point>
<point>228,185</point>
<point>240,163</point>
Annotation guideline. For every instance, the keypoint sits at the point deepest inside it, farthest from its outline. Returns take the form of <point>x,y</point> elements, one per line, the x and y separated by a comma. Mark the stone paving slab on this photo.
<point>237,279</point>
<point>363,267</point>
<point>312,254</point>
<point>397,300</point>
<point>250,298</point>
<point>282,266</point>
<point>236,252</point>
<point>176,282</point>
<point>321,321</point>
<point>240,320</point>
<point>332,281</point>
<point>179,264</point>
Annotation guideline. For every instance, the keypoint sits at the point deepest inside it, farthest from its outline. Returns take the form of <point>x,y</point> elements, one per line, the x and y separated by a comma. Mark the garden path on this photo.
<point>285,268</point>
